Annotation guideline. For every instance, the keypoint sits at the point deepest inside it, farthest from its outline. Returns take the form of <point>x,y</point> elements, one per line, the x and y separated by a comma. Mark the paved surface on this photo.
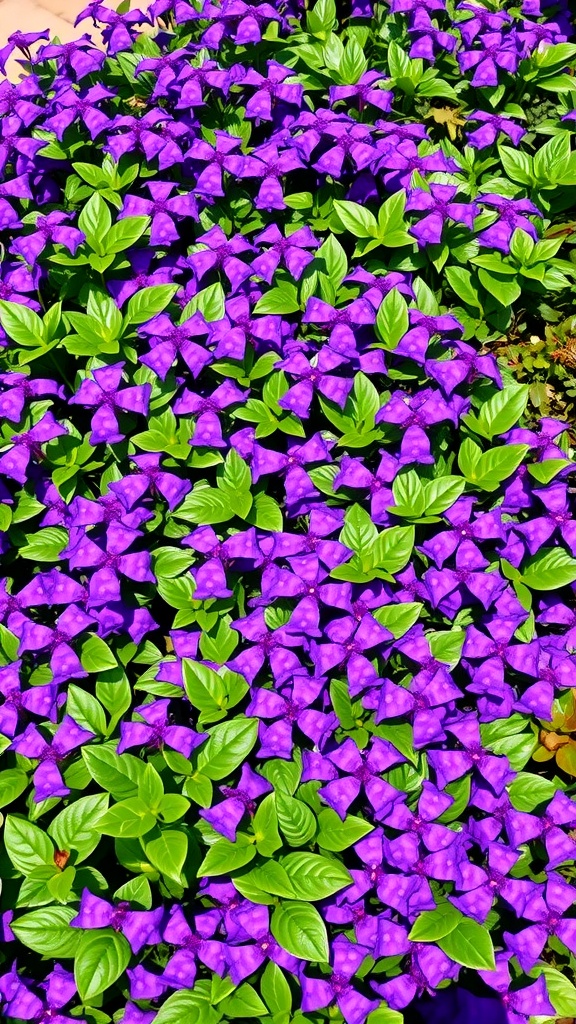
<point>56,15</point>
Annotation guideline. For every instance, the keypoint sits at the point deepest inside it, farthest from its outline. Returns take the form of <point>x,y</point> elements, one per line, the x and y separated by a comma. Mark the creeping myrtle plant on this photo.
<point>287,558</point>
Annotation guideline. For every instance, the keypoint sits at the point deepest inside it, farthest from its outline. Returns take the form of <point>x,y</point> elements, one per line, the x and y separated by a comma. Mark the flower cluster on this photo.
<point>287,559</point>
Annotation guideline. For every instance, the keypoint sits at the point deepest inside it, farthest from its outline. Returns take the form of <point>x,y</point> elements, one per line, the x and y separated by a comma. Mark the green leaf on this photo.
<point>86,710</point>
<point>72,828</point>
<point>561,991</point>
<point>234,475</point>
<point>314,877</point>
<point>300,930</point>
<point>45,545</point>
<point>21,324</point>
<point>359,533</point>
<point>469,944</point>
<point>148,302</point>
<point>334,256</point>
<point>244,1003</point>
<point>432,925</point>
<point>337,835</point>
<point>95,221</point>
<point>208,506</point>
<point>409,494</point>
<point>186,1007</point>
<point>550,569</point>
<point>124,233</point>
<point>269,877</point>
<point>210,302</point>
<point>265,825</point>
<point>137,891</point>
<point>275,989</point>
<point>47,931</point>
<point>126,820</point>
<point>296,821</point>
<point>393,548</point>
<point>168,853</point>
<point>118,775</point>
<point>96,655</point>
<point>517,165</point>
<point>282,300</point>
<point>392,321</point>
<point>102,957</point>
<point>545,471</point>
<point>225,857</point>
<point>441,493</point>
<point>501,412</point>
<point>172,807</point>
<point>398,618</point>
<point>13,782</point>
<point>27,845</point>
<point>460,281</point>
<point>527,791</point>
<point>228,746</point>
<point>356,219</point>
<point>488,469</point>
<point>265,513</point>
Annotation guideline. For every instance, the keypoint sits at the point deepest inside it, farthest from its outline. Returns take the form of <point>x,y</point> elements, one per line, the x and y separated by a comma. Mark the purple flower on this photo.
<point>318,993</point>
<point>163,210</point>
<point>140,927</point>
<point>440,207</point>
<point>192,944</point>
<point>226,816</point>
<point>58,988</point>
<point>104,394</point>
<point>519,1002</point>
<point>244,960</point>
<point>365,91</point>
<point>450,765</point>
<point>492,125</point>
<point>550,913</point>
<point>288,708</point>
<point>156,729</point>
<point>497,51</point>
<point>289,250</point>
<point>48,780</point>
<point>511,215</point>
<point>361,770</point>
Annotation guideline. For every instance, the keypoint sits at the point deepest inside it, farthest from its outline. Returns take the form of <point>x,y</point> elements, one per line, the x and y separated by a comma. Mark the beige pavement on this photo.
<point>56,15</point>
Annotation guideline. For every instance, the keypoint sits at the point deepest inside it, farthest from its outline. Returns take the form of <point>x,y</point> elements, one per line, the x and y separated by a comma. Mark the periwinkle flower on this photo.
<point>20,1000</point>
<point>194,942</point>
<point>450,765</point>
<point>491,127</point>
<point>31,743</point>
<point>239,800</point>
<point>518,1003</point>
<point>551,917</point>
<point>270,90</point>
<point>426,967</point>
<point>104,393</point>
<point>26,446</point>
<point>366,92</point>
<point>439,206</point>
<point>164,209</point>
<point>286,709</point>
<point>244,960</point>
<point>361,770</point>
<point>318,993</point>
<point>511,215</point>
<point>140,927</point>
<point>157,729</point>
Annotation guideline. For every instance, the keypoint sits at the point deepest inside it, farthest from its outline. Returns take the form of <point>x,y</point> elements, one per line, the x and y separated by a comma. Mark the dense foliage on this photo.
<point>288,559</point>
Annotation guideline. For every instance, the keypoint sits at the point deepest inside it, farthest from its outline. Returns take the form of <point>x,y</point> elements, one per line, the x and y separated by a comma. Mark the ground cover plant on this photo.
<point>287,552</point>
